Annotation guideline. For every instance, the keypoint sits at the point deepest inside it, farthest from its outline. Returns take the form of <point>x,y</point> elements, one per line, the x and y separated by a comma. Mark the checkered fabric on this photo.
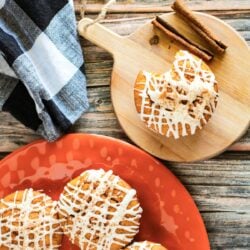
<point>42,81</point>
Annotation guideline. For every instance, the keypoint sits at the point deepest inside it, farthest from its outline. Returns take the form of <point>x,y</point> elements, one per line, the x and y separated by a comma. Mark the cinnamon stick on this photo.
<point>187,14</point>
<point>177,36</point>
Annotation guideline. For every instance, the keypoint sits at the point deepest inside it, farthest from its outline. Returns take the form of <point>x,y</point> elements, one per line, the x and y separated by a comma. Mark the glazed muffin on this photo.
<point>145,245</point>
<point>29,220</point>
<point>180,101</point>
<point>101,211</point>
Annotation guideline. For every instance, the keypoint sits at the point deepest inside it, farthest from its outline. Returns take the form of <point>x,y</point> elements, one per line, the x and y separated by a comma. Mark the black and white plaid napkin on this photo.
<point>46,90</point>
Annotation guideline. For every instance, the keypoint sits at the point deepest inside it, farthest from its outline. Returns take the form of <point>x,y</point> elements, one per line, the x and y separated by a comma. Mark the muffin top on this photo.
<point>29,220</point>
<point>145,245</point>
<point>179,101</point>
<point>101,211</point>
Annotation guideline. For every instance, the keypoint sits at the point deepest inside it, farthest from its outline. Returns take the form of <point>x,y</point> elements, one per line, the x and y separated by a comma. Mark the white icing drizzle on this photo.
<point>145,245</point>
<point>88,210</point>
<point>24,232</point>
<point>181,100</point>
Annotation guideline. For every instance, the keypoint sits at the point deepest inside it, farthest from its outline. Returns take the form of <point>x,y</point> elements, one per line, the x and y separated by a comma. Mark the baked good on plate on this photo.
<point>178,102</point>
<point>29,220</point>
<point>145,245</point>
<point>101,211</point>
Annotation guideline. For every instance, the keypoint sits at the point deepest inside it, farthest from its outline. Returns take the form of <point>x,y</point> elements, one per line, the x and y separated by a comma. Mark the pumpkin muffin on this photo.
<point>145,245</point>
<point>178,102</point>
<point>29,220</point>
<point>101,211</point>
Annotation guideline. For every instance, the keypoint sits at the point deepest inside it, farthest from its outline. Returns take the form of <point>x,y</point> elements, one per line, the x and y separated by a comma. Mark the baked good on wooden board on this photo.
<point>178,102</point>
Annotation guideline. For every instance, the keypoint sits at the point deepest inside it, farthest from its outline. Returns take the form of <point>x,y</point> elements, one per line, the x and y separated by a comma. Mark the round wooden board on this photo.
<point>134,53</point>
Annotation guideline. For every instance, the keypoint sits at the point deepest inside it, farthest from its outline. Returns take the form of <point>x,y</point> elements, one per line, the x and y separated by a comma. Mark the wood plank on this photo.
<point>229,241</point>
<point>229,222</point>
<point>222,228</point>
<point>160,7</point>
<point>99,119</point>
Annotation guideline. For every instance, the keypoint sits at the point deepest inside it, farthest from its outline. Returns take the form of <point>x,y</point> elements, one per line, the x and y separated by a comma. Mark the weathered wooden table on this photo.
<point>220,186</point>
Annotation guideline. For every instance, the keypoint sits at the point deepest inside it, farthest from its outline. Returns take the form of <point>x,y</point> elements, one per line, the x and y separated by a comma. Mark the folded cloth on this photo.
<point>47,90</point>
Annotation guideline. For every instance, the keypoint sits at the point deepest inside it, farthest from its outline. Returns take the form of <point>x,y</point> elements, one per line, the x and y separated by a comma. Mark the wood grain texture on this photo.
<point>226,176</point>
<point>221,189</point>
<point>164,6</point>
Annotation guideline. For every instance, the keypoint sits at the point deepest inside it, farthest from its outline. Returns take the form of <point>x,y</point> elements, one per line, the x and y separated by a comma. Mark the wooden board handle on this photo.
<point>100,35</point>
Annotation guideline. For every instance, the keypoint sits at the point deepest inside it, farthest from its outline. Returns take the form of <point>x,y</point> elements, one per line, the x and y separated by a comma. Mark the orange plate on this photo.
<point>170,215</point>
